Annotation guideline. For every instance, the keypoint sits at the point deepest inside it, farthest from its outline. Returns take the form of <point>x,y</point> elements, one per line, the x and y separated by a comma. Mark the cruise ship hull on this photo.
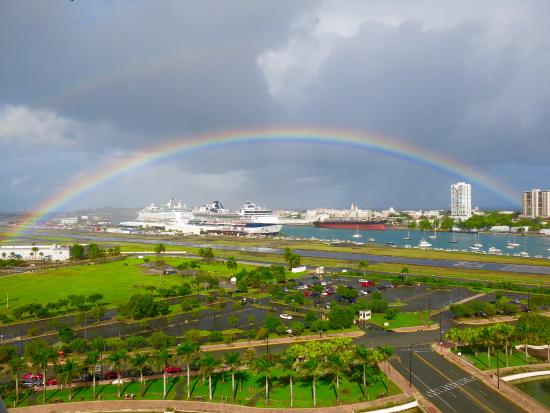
<point>366,225</point>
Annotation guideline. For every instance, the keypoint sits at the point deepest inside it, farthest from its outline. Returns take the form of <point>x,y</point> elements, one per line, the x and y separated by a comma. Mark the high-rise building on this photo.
<point>536,203</point>
<point>461,200</point>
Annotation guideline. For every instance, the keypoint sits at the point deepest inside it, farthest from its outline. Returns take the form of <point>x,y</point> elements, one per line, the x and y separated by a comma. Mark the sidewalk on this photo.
<point>505,390</point>
<point>194,406</point>
<point>280,340</point>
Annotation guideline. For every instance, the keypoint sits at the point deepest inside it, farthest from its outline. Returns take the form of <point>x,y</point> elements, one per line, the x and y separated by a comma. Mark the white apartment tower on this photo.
<point>461,200</point>
<point>536,203</point>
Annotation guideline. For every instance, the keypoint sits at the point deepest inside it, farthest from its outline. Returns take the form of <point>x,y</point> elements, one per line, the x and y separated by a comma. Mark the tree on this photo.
<point>207,254</point>
<point>66,333</point>
<point>34,251</point>
<point>40,359</point>
<point>289,363</point>
<point>161,360</point>
<point>76,252</point>
<point>231,264</point>
<point>363,265</point>
<point>314,367</point>
<point>16,364</point>
<point>117,358</point>
<point>67,374</point>
<point>160,249</point>
<point>264,366</point>
<point>139,362</point>
<point>233,361</point>
<point>292,259</point>
<point>207,364</point>
<point>364,357</point>
<point>90,362</point>
<point>187,352</point>
<point>385,354</point>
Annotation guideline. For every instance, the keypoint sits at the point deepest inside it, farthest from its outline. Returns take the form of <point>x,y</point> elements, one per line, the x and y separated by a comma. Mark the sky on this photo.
<point>86,83</point>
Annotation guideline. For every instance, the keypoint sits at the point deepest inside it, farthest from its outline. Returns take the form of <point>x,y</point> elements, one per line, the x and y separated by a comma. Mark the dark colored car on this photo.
<point>110,375</point>
<point>89,377</point>
<point>147,371</point>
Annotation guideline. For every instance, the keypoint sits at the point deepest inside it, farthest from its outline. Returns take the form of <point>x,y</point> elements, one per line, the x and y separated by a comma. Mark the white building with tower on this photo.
<point>461,200</point>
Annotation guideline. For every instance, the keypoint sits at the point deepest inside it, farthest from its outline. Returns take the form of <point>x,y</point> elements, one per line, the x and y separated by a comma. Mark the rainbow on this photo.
<point>189,145</point>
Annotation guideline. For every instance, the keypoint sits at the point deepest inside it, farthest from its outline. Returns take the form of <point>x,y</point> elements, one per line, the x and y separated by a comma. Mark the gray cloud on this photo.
<point>85,82</point>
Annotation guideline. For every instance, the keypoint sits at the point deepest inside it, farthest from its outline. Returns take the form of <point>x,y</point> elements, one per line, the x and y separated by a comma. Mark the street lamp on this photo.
<point>410,364</point>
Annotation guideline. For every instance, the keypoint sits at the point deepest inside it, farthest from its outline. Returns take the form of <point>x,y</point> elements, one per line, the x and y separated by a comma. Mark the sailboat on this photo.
<point>513,244</point>
<point>408,237</point>
<point>357,235</point>
<point>453,239</point>
<point>434,236</point>
<point>524,253</point>
<point>477,244</point>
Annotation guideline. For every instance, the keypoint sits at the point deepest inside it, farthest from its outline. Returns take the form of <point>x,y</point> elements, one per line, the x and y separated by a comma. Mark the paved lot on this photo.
<point>447,386</point>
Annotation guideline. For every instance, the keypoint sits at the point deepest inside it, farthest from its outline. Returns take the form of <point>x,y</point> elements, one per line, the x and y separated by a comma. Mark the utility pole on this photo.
<point>440,328</point>
<point>498,370</point>
<point>410,364</point>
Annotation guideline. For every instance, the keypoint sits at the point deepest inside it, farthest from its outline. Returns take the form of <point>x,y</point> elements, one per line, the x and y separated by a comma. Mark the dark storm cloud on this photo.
<point>85,83</point>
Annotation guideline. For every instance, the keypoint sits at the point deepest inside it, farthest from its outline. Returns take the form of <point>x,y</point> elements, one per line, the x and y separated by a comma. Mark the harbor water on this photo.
<point>537,389</point>
<point>534,246</point>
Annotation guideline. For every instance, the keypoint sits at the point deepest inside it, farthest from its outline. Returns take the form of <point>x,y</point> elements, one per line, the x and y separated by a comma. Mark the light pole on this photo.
<point>410,364</point>
<point>498,370</point>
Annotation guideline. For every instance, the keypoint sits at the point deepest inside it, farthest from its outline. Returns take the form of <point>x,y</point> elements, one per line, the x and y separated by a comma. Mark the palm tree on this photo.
<point>505,333</point>
<point>207,364</point>
<point>139,361</point>
<point>364,357</point>
<point>385,354</point>
<point>233,361</point>
<point>187,352</point>
<point>231,263</point>
<point>118,357</point>
<point>159,249</point>
<point>67,373</point>
<point>34,251</point>
<point>161,360</point>
<point>90,362</point>
<point>336,363</point>
<point>264,366</point>
<point>487,336</point>
<point>289,363</point>
<point>363,265</point>
<point>314,366</point>
<point>16,364</point>
<point>40,359</point>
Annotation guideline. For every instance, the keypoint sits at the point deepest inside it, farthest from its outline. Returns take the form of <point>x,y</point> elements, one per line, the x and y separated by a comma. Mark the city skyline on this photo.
<point>420,77</point>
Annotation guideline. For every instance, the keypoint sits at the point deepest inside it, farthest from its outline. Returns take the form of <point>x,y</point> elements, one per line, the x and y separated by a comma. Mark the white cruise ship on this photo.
<point>210,218</point>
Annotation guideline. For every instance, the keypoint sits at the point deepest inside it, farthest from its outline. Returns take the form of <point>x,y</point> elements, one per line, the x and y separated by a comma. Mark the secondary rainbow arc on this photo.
<point>187,145</point>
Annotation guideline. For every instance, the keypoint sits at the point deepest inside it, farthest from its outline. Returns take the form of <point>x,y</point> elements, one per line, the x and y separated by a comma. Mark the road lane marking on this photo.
<point>471,396</point>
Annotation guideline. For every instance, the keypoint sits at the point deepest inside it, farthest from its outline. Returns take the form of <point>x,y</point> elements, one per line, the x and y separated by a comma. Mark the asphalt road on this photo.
<point>473,265</point>
<point>447,386</point>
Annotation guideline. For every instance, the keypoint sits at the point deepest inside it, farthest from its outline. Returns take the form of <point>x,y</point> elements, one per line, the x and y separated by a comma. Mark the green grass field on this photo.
<point>405,319</point>
<point>481,361</point>
<point>116,280</point>
<point>250,391</point>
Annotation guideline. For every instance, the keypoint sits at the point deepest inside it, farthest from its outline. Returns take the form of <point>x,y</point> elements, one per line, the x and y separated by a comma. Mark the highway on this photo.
<point>447,386</point>
<point>473,265</point>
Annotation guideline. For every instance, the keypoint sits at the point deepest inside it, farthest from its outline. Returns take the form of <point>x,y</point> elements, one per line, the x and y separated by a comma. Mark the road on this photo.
<point>447,386</point>
<point>473,265</point>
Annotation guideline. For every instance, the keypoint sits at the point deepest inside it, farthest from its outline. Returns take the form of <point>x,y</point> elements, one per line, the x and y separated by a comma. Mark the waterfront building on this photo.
<point>461,200</point>
<point>51,252</point>
<point>536,203</point>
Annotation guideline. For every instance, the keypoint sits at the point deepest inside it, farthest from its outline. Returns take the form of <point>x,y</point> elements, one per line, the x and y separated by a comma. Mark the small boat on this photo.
<point>453,239</point>
<point>408,237</point>
<point>477,244</point>
<point>370,240</point>
<point>424,244</point>
<point>475,249</point>
<point>494,251</point>
<point>524,254</point>
<point>357,235</point>
<point>434,236</point>
<point>512,244</point>
<point>390,243</point>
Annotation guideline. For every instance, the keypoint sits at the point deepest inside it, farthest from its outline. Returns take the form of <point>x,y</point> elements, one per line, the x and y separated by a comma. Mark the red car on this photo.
<point>367,283</point>
<point>51,382</point>
<point>307,293</point>
<point>172,369</point>
<point>110,375</point>
<point>32,376</point>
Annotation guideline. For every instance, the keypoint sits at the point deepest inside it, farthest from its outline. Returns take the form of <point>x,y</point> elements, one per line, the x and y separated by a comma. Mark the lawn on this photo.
<point>517,358</point>
<point>250,391</point>
<point>402,319</point>
<point>117,281</point>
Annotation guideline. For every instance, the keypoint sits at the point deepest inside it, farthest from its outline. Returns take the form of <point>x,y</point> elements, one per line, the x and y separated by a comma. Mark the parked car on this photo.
<point>172,369</point>
<point>367,283</point>
<point>30,383</point>
<point>110,375</point>
<point>147,371</point>
<point>286,316</point>
<point>32,376</point>
<point>51,382</point>
<point>89,377</point>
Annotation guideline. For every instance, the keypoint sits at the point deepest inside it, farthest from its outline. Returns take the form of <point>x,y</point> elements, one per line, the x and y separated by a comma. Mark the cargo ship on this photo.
<point>351,224</point>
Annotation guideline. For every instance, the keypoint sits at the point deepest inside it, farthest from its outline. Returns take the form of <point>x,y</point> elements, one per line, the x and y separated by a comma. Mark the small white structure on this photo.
<point>319,270</point>
<point>233,280</point>
<point>51,252</point>
<point>365,315</point>
<point>299,269</point>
